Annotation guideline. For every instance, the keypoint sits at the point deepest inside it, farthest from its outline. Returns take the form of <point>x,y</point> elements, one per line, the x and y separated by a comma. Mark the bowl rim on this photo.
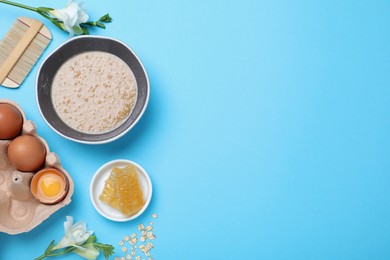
<point>114,137</point>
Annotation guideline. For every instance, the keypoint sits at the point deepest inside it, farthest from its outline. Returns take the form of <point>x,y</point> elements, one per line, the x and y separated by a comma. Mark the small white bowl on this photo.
<point>97,186</point>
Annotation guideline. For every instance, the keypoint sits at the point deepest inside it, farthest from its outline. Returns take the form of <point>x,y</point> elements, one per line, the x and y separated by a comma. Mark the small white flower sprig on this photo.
<point>79,240</point>
<point>73,18</point>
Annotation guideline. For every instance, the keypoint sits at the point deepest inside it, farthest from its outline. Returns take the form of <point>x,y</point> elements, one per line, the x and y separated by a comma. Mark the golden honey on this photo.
<point>123,191</point>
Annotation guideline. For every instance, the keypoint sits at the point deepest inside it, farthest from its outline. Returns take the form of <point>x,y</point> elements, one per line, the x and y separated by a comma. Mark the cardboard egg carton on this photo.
<point>19,210</point>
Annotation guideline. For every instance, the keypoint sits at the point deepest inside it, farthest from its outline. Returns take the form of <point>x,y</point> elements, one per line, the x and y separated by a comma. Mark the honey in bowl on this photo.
<point>49,186</point>
<point>123,191</point>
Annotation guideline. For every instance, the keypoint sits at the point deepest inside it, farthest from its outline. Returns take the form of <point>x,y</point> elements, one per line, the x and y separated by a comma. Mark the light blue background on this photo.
<point>266,135</point>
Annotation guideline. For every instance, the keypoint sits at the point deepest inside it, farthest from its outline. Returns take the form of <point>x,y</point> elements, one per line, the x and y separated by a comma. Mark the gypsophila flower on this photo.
<point>72,18</point>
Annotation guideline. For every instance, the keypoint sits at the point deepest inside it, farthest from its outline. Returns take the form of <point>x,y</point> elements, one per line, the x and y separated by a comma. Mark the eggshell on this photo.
<point>11,121</point>
<point>36,184</point>
<point>27,153</point>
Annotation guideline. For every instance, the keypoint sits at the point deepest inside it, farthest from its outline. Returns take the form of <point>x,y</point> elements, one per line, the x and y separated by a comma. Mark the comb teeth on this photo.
<point>30,55</point>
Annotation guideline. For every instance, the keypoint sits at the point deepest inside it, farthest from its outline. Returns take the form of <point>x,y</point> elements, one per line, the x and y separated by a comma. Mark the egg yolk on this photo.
<point>50,185</point>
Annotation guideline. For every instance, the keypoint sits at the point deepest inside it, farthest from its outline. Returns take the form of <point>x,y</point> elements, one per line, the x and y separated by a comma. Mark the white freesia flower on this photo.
<point>72,16</point>
<point>75,235</point>
<point>79,240</point>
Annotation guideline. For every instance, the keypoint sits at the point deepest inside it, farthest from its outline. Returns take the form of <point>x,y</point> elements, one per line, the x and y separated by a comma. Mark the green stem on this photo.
<point>19,5</point>
<point>40,257</point>
<point>53,253</point>
<point>43,14</point>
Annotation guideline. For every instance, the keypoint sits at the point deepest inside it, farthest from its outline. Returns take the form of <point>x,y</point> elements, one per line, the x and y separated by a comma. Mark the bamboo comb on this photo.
<point>20,49</point>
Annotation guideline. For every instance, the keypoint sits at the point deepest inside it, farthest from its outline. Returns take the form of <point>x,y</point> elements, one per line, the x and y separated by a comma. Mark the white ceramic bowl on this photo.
<point>97,186</point>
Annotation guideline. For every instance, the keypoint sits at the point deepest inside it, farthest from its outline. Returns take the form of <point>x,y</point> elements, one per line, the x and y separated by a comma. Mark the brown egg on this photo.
<point>49,186</point>
<point>11,121</point>
<point>26,153</point>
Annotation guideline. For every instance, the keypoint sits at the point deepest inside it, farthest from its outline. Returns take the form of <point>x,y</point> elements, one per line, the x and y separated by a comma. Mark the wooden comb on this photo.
<point>20,49</point>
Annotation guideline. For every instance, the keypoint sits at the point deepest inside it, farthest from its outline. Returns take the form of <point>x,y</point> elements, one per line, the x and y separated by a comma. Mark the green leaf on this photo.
<point>50,247</point>
<point>90,240</point>
<point>78,30</point>
<point>85,30</point>
<point>106,249</point>
<point>106,18</point>
<point>99,24</point>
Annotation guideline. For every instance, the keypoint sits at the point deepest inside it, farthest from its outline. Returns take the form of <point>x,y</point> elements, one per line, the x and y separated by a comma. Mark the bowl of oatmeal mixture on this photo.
<point>92,89</point>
